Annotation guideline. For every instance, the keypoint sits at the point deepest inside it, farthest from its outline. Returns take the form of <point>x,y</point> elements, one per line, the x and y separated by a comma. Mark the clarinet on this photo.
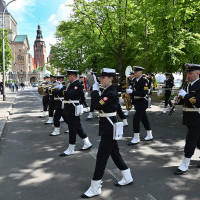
<point>178,99</point>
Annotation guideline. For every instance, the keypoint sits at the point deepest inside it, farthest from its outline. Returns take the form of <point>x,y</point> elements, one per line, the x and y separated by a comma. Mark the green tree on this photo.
<point>159,35</point>
<point>8,54</point>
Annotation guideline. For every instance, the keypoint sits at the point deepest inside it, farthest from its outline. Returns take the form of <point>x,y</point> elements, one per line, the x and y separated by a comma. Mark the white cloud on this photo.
<point>63,14</point>
<point>21,8</point>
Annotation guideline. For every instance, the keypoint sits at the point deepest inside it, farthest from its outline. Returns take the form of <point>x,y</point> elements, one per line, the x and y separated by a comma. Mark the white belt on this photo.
<point>59,98</point>
<point>50,94</point>
<point>137,97</point>
<point>119,92</point>
<point>191,109</point>
<point>71,101</point>
<point>108,114</point>
<point>168,89</point>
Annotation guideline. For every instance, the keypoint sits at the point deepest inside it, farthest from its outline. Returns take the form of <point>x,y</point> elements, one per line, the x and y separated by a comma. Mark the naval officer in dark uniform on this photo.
<point>191,114</point>
<point>58,101</point>
<point>107,105</point>
<point>72,96</point>
<point>45,99</point>
<point>140,101</point>
<point>51,99</point>
<point>168,85</point>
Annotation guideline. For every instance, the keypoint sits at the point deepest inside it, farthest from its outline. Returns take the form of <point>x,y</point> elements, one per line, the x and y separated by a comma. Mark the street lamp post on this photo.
<point>3,50</point>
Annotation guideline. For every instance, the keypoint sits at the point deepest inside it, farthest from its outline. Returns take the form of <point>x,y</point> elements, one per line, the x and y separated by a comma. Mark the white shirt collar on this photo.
<point>194,81</point>
<point>137,79</point>
<point>74,81</point>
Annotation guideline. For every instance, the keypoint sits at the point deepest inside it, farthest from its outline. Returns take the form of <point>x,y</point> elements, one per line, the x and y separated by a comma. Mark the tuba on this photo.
<point>125,96</point>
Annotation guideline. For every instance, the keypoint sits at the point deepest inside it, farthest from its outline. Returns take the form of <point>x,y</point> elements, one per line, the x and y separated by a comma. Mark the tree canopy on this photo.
<point>8,54</point>
<point>158,35</point>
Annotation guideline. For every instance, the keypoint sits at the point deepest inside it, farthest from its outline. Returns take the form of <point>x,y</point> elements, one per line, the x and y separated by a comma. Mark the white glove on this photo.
<point>59,86</point>
<point>182,93</point>
<point>95,86</point>
<point>175,98</point>
<point>129,91</point>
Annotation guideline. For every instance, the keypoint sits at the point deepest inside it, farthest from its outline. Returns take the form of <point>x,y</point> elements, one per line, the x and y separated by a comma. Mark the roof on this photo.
<point>2,6</point>
<point>20,38</point>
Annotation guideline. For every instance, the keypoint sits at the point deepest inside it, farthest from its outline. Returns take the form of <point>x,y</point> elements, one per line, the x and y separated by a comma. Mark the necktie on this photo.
<point>189,88</point>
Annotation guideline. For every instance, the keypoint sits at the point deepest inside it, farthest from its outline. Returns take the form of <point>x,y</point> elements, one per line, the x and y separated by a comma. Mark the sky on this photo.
<point>48,13</point>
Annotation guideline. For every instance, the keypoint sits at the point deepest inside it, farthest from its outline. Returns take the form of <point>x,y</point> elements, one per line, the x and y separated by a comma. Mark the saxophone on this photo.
<point>126,97</point>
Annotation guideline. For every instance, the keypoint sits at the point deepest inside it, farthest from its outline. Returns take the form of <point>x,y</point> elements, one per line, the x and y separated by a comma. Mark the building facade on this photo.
<point>21,69</point>
<point>40,57</point>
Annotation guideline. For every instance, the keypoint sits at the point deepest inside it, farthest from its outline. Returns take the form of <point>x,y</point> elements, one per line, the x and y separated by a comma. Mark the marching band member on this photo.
<point>139,99</point>
<point>168,85</point>
<point>58,105</point>
<point>107,104</point>
<point>130,83</point>
<point>90,115</point>
<point>45,99</point>
<point>83,99</point>
<point>51,100</point>
<point>191,115</point>
<point>119,109</point>
<point>72,96</point>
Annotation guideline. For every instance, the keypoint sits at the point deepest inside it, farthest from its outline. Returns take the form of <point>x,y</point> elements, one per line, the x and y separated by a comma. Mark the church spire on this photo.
<point>39,33</point>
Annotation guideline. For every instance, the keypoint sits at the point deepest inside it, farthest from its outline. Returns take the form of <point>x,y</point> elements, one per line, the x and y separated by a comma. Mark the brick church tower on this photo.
<point>40,58</point>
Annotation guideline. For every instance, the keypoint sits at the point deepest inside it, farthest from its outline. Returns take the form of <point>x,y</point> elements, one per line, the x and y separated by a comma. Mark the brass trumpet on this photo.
<point>42,88</point>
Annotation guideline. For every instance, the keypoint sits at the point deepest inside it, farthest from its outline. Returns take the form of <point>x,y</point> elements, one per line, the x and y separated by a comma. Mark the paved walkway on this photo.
<point>6,107</point>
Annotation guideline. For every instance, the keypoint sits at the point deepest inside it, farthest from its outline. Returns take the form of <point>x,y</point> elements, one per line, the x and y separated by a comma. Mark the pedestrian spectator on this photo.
<point>16,87</point>
<point>1,87</point>
<point>12,87</point>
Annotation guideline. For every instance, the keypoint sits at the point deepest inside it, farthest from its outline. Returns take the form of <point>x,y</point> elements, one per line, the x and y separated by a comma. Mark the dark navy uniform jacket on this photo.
<point>168,84</point>
<point>140,90</point>
<point>108,103</point>
<point>73,92</point>
<point>192,100</point>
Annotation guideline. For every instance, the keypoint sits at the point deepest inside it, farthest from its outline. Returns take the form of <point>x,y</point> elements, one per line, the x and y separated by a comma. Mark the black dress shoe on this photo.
<point>85,149</point>
<point>63,154</point>
<point>118,185</point>
<point>131,144</point>
<point>147,140</point>
<point>179,172</point>
<point>84,196</point>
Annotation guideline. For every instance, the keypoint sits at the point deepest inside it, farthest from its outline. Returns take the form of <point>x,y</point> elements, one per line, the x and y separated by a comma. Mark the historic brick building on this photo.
<point>40,57</point>
<point>22,65</point>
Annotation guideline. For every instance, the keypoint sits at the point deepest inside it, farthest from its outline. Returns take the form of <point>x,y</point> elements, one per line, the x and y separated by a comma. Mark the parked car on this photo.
<point>35,84</point>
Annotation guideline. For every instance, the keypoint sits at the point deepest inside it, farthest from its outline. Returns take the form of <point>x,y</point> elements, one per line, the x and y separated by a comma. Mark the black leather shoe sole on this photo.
<point>179,172</point>
<point>147,140</point>
<point>85,149</point>
<point>118,185</point>
<point>132,144</point>
<point>53,135</point>
<point>63,154</point>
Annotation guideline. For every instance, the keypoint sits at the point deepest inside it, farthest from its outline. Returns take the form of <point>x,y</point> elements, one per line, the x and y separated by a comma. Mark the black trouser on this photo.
<point>51,107</point>
<point>107,147</point>
<point>45,102</point>
<point>57,115</point>
<point>91,109</point>
<point>167,98</point>
<point>74,126</point>
<point>192,141</point>
<point>85,103</point>
<point>120,112</point>
<point>140,116</point>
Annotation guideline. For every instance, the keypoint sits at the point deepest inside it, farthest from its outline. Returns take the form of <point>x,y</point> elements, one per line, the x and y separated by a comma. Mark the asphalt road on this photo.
<point>31,169</point>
